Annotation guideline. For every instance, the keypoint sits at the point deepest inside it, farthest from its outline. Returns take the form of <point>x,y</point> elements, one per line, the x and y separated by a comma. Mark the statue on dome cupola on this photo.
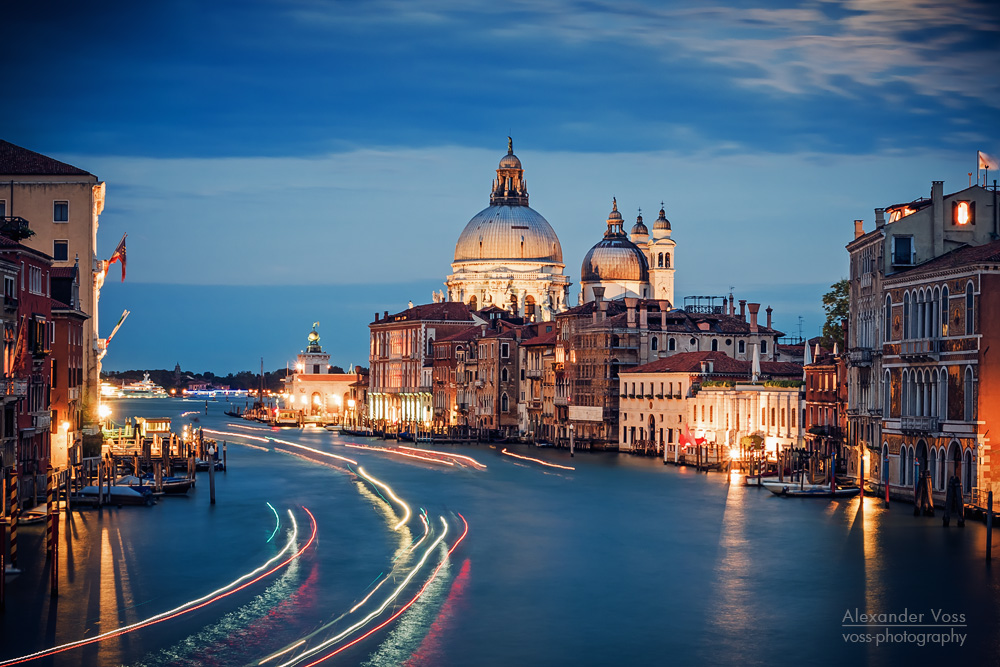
<point>313,340</point>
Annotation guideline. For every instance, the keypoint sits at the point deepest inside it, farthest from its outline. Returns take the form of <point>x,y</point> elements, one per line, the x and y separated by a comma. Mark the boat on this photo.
<point>285,417</point>
<point>169,485</point>
<point>36,515</point>
<point>333,427</point>
<point>145,388</point>
<point>792,490</point>
<point>120,495</point>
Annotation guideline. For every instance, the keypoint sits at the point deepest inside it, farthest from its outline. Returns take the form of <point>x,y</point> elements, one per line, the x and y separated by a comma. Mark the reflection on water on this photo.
<point>620,561</point>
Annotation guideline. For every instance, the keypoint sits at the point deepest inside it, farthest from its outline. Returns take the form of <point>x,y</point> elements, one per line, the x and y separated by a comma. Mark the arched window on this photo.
<point>666,260</point>
<point>944,310</point>
<point>904,387</point>
<point>932,467</point>
<point>715,345</point>
<point>887,331</point>
<point>969,302</point>
<point>671,344</point>
<point>970,401</point>
<point>935,329</point>
<point>653,344</point>
<point>473,302</point>
<point>529,306</point>
<point>886,395</point>
<point>909,466</point>
<point>967,472</point>
<point>902,466</point>
<point>614,340</point>
<point>906,316</point>
<point>504,402</point>
<point>659,261</point>
<point>503,375</point>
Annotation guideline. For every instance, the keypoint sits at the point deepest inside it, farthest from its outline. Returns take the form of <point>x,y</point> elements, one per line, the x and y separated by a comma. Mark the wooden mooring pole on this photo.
<point>211,473</point>
<point>989,526</point>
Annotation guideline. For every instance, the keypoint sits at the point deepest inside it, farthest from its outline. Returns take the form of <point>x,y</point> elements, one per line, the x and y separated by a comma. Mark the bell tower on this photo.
<point>662,259</point>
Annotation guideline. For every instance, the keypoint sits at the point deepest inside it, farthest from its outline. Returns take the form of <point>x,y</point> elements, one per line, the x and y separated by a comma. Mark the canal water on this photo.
<point>620,561</point>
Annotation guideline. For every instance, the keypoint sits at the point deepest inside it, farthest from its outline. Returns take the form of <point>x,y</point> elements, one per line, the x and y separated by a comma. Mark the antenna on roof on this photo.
<point>800,326</point>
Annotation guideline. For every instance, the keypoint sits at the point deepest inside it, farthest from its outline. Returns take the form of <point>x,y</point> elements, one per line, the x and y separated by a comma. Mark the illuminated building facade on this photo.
<point>508,255</point>
<point>315,390</point>
<point>68,367</point>
<point>825,405</point>
<point>713,396</point>
<point>401,368</point>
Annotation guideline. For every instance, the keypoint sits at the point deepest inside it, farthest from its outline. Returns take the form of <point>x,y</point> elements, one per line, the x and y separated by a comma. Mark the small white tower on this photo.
<point>661,250</point>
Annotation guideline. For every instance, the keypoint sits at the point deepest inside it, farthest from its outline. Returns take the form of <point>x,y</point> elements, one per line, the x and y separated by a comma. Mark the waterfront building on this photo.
<point>600,338</point>
<point>825,405</point>
<point>635,265</point>
<point>497,381</point>
<point>63,204</point>
<point>401,363</point>
<point>941,392</point>
<point>454,373</point>
<point>905,236</point>
<point>314,389</point>
<point>508,255</point>
<point>536,407</point>
<point>66,395</point>
<point>14,388</point>
<point>29,366</point>
<point>712,395</point>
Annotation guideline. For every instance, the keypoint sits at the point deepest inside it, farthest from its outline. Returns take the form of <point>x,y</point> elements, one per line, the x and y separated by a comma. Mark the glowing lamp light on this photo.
<point>337,400</point>
<point>300,368</point>
<point>104,411</point>
<point>733,453</point>
<point>316,400</point>
<point>350,403</point>
<point>65,426</point>
<point>303,399</point>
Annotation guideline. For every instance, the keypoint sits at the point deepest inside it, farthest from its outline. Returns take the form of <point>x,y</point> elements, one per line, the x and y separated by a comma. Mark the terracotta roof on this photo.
<point>63,271</point>
<point>541,339</point>
<point>965,256</point>
<point>722,364</point>
<point>676,321</point>
<point>471,333</point>
<point>15,160</point>
<point>448,310</point>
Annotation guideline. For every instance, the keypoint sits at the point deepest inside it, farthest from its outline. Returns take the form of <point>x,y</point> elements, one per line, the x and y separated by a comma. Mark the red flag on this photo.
<point>685,438</point>
<point>119,255</point>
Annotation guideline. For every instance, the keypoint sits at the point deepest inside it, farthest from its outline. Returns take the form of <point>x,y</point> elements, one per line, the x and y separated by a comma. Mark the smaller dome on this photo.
<point>661,222</point>
<point>639,227</point>
<point>614,259</point>
<point>510,161</point>
<point>313,337</point>
<point>614,215</point>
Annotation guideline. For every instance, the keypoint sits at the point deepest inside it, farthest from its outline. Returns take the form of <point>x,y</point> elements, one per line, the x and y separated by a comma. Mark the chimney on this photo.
<point>598,294</point>
<point>937,217</point>
<point>664,307</point>
<point>386,316</point>
<point>859,228</point>
<point>879,218</point>
<point>711,366</point>
<point>732,305</point>
<point>643,318</point>
<point>754,307</point>
<point>769,309</point>
<point>630,303</point>
<point>743,309</point>
<point>603,307</point>
<point>376,316</point>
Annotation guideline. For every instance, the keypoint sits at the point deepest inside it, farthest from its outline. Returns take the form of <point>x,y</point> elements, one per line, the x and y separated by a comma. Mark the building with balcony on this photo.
<point>941,389</point>
<point>537,375</point>
<point>905,236</point>
<point>63,205</point>
<point>826,406</point>
<point>67,368</point>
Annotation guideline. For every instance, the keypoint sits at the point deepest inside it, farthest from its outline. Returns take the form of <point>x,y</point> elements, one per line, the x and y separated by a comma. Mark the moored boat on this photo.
<point>120,495</point>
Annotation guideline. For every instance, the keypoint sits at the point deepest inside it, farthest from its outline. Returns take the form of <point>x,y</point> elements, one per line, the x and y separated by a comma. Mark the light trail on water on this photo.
<point>399,589</point>
<point>385,487</point>
<point>227,590</point>
<point>398,452</point>
<point>400,611</point>
<point>454,456</point>
<point>277,522</point>
<point>235,435</point>
<point>313,450</point>
<point>544,463</point>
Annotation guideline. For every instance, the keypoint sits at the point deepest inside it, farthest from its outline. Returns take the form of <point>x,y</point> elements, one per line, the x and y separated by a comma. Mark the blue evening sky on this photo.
<point>279,162</point>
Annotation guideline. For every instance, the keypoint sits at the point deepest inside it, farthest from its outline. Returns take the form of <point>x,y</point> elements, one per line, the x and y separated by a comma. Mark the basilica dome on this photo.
<point>614,258</point>
<point>508,229</point>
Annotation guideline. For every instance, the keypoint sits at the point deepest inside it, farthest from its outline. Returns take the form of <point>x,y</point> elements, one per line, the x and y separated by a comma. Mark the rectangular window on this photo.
<point>504,350</point>
<point>3,208</point>
<point>902,250</point>
<point>35,280</point>
<point>763,347</point>
<point>60,211</point>
<point>60,251</point>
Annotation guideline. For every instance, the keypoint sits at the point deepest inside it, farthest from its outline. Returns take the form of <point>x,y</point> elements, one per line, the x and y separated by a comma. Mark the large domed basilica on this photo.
<point>508,255</point>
